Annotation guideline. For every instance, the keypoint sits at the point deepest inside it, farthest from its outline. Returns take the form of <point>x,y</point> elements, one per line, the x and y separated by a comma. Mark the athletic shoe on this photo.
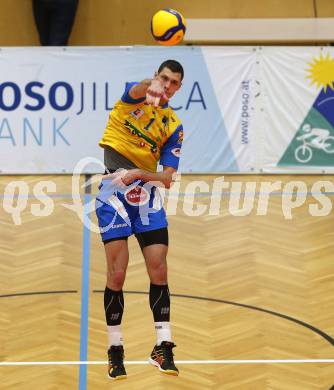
<point>116,369</point>
<point>162,357</point>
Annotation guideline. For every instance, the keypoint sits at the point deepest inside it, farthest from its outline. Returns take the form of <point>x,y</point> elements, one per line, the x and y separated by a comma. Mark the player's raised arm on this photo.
<point>139,90</point>
<point>152,89</point>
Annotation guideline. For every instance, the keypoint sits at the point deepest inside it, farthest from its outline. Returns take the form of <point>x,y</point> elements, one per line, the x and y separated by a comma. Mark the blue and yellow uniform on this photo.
<point>144,135</point>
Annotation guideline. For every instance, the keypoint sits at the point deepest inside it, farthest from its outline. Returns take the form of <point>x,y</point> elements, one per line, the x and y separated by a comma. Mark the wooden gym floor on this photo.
<point>223,270</point>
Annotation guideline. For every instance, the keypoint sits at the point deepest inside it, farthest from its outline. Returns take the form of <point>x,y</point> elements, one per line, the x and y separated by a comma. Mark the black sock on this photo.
<point>113,306</point>
<point>160,302</point>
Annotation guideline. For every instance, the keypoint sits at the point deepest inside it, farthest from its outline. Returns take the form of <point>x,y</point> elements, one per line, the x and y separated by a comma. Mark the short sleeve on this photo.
<point>126,98</point>
<point>171,151</point>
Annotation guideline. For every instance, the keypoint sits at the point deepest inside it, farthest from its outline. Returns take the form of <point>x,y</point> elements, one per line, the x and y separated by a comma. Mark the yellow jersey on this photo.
<point>144,134</point>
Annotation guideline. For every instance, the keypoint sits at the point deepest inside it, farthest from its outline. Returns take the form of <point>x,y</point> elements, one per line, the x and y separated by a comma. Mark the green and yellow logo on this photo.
<point>313,144</point>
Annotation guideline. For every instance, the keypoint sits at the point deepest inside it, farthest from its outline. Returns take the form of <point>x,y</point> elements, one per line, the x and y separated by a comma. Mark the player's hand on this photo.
<point>131,175</point>
<point>117,178</point>
<point>155,92</point>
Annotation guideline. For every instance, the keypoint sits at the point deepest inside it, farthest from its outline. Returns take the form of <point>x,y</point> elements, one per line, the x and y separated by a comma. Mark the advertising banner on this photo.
<point>296,109</point>
<point>55,102</point>
<point>243,109</point>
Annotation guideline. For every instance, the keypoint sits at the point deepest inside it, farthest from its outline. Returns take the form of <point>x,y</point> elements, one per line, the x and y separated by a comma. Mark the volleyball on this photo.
<point>168,27</point>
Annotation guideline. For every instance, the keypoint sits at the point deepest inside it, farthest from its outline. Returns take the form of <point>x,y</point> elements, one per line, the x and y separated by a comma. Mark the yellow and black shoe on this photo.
<point>116,369</point>
<point>162,357</point>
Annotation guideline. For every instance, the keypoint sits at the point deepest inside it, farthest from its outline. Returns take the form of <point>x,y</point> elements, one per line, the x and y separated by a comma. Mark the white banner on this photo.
<point>244,109</point>
<point>296,122</point>
<point>54,104</point>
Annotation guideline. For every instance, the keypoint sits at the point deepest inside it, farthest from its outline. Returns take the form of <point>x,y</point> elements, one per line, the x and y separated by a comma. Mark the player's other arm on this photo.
<point>164,178</point>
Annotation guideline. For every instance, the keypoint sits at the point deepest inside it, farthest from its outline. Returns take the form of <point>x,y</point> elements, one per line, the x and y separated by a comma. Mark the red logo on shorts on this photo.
<point>137,196</point>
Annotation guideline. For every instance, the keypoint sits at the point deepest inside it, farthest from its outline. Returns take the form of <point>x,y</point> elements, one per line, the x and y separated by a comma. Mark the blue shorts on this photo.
<point>122,212</point>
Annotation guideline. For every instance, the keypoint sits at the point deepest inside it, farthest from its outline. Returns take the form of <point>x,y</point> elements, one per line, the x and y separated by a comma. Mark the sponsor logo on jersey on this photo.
<point>137,196</point>
<point>137,113</point>
<point>176,152</point>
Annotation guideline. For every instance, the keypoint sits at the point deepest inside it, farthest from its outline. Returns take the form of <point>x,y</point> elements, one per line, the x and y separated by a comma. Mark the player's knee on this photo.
<point>159,272</point>
<point>116,279</point>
